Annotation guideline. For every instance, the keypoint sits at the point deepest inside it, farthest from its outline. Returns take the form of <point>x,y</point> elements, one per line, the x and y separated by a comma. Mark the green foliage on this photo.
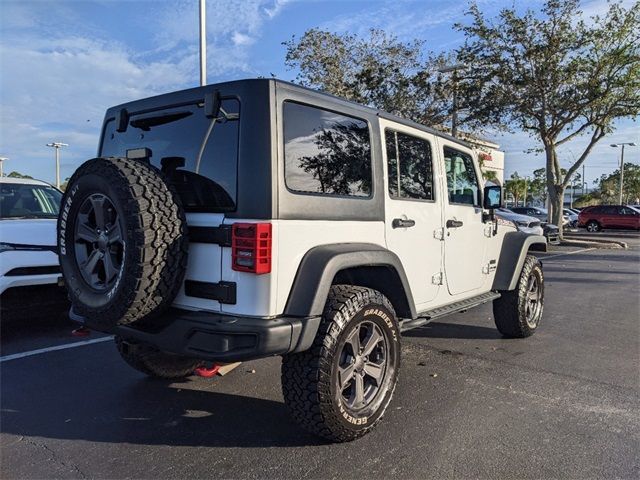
<point>15,174</point>
<point>609,185</point>
<point>515,186</point>
<point>554,75</point>
<point>379,71</point>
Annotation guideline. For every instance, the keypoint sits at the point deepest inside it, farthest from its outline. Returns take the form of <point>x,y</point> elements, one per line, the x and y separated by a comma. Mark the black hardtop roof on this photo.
<point>179,96</point>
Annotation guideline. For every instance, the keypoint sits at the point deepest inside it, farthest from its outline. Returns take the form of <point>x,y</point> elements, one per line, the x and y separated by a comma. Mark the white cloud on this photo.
<point>241,39</point>
<point>60,73</point>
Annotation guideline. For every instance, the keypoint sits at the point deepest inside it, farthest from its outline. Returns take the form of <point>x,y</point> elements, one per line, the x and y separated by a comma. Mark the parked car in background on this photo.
<point>572,216</point>
<point>523,223</point>
<point>599,217</point>
<point>29,269</point>
<point>540,213</point>
<point>551,233</point>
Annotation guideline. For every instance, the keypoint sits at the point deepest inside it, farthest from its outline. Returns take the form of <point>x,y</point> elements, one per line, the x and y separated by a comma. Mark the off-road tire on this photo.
<point>154,362</point>
<point>510,310</point>
<point>593,226</point>
<point>154,227</point>
<point>309,378</point>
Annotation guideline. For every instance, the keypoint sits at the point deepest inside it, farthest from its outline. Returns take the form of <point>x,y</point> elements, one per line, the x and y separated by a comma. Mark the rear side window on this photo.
<point>199,155</point>
<point>462,181</point>
<point>326,152</point>
<point>409,166</point>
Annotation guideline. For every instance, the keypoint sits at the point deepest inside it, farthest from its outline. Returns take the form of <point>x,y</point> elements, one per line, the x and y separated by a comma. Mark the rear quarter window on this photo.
<point>326,153</point>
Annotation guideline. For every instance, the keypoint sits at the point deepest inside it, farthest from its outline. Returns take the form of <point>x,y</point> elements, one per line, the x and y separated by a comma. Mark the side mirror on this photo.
<point>492,197</point>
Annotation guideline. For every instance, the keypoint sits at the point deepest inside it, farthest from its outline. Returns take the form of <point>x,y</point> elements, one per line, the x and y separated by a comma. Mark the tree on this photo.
<point>609,185</point>
<point>555,76</point>
<point>538,184</point>
<point>15,174</point>
<point>516,187</point>
<point>379,71</point>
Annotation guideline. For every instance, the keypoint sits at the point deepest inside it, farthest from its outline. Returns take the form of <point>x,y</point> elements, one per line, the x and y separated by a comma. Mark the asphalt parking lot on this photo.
<point>470,404</point>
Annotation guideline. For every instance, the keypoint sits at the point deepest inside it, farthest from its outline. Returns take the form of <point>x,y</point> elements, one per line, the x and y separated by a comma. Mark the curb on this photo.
<point>603,244</point>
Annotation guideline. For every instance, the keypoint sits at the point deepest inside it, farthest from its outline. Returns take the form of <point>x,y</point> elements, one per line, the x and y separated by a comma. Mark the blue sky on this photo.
<point>62,63</point>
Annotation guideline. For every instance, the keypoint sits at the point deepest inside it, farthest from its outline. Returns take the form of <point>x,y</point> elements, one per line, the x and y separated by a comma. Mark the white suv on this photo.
<point>256,218</point>
<point>29,269</point>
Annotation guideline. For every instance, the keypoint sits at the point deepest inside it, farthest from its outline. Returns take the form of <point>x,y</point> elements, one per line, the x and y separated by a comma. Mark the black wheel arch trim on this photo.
<point>514,250</point>
<point>321,264</point>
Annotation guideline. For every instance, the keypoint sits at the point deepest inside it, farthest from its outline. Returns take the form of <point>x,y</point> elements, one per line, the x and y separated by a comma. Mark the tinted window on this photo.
<point>462,182</point>
<point>326,152</point>
<point>198,154</point>
<point>32,201</point>
<point>410,166</point>
<point>609,210</point>
<point>626,211</point>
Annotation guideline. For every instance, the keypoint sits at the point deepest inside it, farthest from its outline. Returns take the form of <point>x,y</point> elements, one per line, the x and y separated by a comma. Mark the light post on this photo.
<point>57,146</point>
<point>203,42</point>
<point>454,107</point>
<point>631,144</point>
<point>2,160</point>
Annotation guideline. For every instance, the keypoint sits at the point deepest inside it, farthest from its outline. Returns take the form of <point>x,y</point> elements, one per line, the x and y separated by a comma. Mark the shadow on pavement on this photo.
<point>144,411</point>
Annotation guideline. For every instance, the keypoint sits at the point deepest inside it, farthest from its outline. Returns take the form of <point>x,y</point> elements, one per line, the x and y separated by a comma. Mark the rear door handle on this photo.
<point>454,223</point>
<point>402,223</point>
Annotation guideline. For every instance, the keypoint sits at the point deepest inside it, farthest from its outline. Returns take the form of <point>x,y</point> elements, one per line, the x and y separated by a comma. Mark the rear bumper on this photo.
<point>217,337</point>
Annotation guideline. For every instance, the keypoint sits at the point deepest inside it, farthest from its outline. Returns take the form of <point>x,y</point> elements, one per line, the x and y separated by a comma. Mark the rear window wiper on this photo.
<point>146,123</point>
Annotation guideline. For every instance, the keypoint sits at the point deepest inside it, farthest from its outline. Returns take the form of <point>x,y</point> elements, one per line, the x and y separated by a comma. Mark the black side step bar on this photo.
<point>429,315</point>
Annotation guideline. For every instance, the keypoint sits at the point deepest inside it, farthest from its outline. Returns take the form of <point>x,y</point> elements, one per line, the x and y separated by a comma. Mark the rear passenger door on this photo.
<point>413,215</point>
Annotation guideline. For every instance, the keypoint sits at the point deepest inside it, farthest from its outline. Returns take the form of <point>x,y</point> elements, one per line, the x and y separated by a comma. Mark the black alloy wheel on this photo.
<point>99,244</point>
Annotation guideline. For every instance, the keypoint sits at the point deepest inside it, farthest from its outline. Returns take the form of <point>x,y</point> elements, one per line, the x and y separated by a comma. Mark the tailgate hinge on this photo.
<point>220,235</point>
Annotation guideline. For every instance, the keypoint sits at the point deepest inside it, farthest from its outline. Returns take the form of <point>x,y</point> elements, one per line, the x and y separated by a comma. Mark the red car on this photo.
<point>609,216</point>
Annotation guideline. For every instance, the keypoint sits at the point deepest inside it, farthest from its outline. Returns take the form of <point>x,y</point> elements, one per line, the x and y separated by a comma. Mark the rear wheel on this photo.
<point>517,313</point>
<point>340,387</point>
<point>154,362</point>
<point>593,226</point>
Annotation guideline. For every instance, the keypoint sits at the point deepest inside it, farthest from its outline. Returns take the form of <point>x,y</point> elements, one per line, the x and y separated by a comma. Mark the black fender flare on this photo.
<point>320,265</point>
<point>515,247</point>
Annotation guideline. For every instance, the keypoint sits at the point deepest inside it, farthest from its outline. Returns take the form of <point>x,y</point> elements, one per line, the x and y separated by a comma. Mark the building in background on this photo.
<point>491,158</point>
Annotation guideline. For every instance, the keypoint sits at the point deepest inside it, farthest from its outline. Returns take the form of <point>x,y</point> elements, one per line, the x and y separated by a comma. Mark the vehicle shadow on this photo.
<point>454,330</point>
<point>149,412</point>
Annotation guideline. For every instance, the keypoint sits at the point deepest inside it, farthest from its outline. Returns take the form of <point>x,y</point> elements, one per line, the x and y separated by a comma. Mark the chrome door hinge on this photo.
<point>488,230</point>
<point>438,234</point>
<point>437,278</point>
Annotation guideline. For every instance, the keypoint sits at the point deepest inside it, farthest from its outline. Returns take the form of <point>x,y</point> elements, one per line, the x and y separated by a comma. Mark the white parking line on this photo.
<point>30,353</point>
<point>568,253</point>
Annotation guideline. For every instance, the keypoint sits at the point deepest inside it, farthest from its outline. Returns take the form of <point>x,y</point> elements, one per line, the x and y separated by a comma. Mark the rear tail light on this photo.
<point>251,247</point>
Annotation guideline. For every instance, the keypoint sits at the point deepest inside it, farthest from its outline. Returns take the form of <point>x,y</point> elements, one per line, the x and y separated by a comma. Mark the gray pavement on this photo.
<point>470,404</point>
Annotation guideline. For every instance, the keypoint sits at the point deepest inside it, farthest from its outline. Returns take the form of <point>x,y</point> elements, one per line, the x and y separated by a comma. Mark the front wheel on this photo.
<point>340,387</point>
<point>517,313</point>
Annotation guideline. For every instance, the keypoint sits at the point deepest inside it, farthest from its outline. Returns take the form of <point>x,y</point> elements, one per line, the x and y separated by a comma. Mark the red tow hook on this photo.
<point>81,332</point>
<point>207,372</point>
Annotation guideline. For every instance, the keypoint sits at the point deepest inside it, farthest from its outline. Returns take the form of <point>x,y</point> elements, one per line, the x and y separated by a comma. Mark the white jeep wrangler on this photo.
<point>257,218</point>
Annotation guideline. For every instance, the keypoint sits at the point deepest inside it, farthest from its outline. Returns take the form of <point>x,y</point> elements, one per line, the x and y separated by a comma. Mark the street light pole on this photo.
<point>454,107</point>
<point>631,144</point>
<point>203,42</point>
<point>57,146</point>
<point>2,160</point>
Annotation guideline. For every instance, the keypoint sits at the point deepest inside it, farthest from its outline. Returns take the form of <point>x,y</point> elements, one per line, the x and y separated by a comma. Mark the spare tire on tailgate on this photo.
<point>122,241</point>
